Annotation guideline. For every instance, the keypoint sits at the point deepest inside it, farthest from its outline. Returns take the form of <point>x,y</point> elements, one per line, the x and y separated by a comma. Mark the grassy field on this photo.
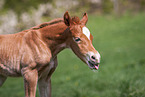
<point>121,43</point>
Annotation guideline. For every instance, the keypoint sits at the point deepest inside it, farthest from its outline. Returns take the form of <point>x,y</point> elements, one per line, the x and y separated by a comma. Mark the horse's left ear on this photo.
<point>84,19</point>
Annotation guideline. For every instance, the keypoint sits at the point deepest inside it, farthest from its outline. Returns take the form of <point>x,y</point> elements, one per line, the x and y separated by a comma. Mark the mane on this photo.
<point>55,21</point>
<point>75,20</point>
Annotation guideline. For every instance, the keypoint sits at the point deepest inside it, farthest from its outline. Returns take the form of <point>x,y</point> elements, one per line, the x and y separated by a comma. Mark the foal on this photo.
<point>32,53</point>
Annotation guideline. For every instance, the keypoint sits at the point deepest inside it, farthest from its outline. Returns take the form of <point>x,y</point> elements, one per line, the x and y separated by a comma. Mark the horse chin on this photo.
<point>93,66</point>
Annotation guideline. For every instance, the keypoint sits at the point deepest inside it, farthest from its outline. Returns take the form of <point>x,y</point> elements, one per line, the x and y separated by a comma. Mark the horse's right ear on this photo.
<point>67,19</point>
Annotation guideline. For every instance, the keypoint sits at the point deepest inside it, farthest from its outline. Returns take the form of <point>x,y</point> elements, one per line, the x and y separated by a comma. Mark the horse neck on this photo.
<point>55,37</point>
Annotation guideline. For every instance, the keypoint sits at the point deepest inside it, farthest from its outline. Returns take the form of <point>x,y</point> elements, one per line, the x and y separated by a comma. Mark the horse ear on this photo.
<point>84,19</point>
<point>67,19</point>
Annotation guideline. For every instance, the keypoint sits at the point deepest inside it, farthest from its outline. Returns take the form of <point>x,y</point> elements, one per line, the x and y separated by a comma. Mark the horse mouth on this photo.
<point>93,66</point>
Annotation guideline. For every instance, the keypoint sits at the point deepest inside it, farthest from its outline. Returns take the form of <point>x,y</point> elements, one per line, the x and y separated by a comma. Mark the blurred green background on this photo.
<point>118,28</point>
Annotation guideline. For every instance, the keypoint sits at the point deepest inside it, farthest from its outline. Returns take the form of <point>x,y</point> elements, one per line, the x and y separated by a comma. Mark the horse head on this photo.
<point>80,40</point>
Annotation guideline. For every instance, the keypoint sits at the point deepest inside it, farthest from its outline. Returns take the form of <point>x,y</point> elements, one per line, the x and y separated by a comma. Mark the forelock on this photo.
<point>75,20</point>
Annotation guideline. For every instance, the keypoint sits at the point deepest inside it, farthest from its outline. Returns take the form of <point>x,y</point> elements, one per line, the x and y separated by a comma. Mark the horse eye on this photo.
<point>77,39</point>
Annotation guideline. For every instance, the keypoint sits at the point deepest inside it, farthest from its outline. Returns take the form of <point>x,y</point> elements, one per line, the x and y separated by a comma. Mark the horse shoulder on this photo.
<point>35,49</point>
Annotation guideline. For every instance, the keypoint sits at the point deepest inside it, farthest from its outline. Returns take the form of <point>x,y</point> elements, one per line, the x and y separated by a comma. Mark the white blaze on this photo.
<point>86,32</point>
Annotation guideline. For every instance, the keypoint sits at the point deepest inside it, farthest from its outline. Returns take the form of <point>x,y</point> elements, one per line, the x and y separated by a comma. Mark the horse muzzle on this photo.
<point>93,60</point>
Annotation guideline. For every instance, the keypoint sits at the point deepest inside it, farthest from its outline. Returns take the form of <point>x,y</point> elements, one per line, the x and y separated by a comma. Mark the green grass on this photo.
<point>121,43</point>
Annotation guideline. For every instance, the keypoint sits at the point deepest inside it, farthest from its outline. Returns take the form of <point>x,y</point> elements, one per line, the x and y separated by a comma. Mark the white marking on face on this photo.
<point>86,32</point>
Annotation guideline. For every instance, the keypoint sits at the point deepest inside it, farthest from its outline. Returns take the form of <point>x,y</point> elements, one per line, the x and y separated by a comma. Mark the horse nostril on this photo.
<point>93,57</point>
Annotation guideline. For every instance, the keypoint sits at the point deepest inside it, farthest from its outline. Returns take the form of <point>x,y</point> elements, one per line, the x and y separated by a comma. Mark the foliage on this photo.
<point>104,6</point>
<point>107,6</point>
<point>20,6</point>
<point>120,42</point>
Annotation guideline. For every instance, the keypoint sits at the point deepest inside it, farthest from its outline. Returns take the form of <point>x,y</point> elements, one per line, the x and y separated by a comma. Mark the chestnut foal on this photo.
<point>32,53</point>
